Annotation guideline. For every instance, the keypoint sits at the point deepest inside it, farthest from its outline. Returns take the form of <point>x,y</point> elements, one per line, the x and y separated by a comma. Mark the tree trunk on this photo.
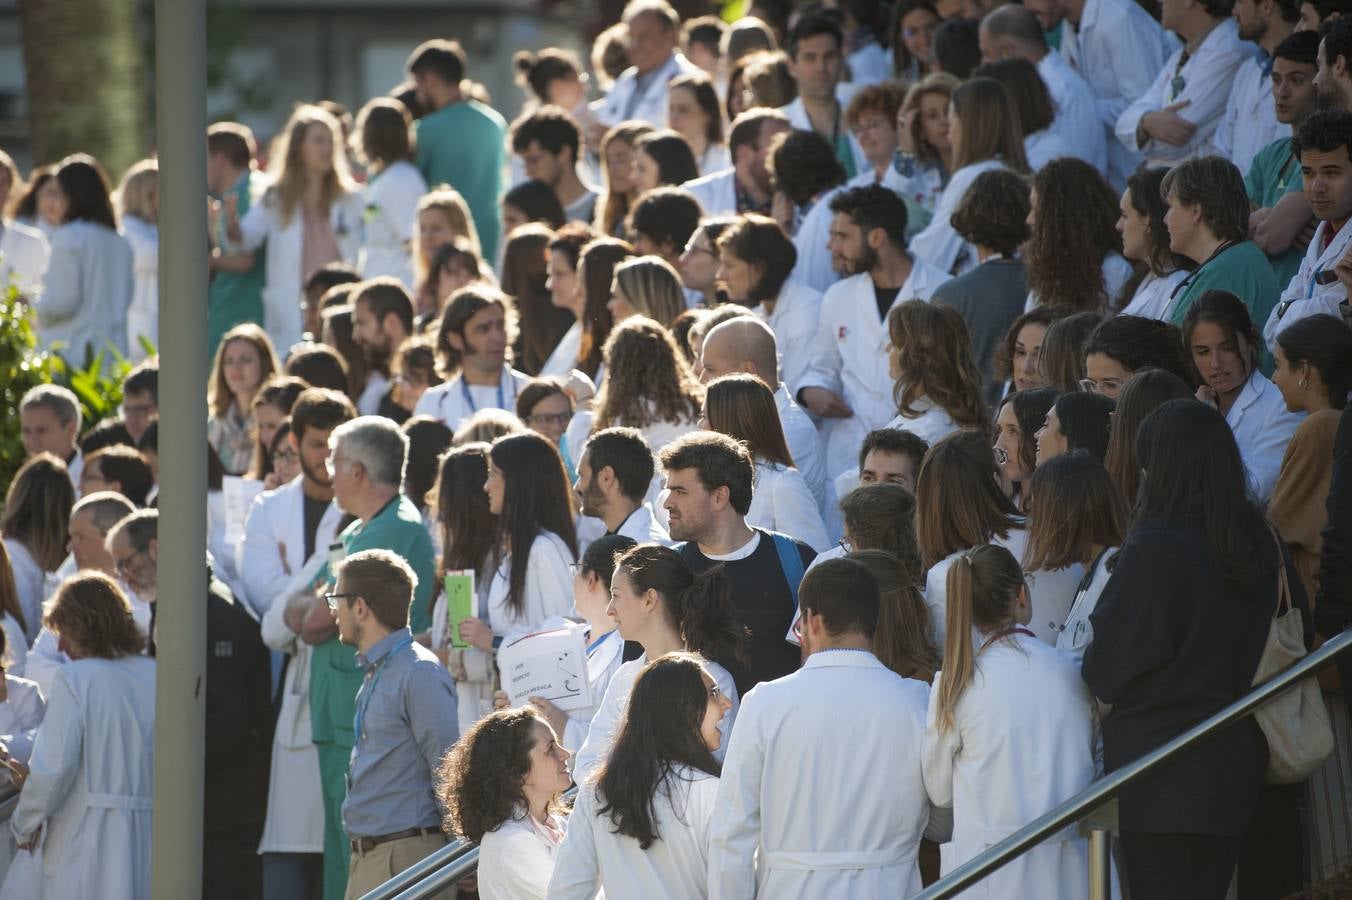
<point>84,78</point>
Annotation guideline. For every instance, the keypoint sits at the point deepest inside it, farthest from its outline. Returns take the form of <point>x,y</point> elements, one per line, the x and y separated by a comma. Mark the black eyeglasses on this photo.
<point>332,599</point>
<point>123,564</point>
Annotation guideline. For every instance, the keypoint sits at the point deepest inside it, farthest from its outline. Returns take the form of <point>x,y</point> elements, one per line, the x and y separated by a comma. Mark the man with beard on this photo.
<point>287,531</point>
<point>848,383</point>
<point>1333,81</point>
<point>1250,121</point>
<point>613,475</point>
<point>746,186</point>
<point>382,319</point>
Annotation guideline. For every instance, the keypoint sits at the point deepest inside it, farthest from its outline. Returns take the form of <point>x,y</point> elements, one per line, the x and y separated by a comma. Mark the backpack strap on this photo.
<point>790,561</point>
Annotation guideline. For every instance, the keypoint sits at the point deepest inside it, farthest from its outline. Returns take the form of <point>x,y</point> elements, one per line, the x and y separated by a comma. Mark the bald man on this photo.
<point>1013,31</point>
<point>746,344</point>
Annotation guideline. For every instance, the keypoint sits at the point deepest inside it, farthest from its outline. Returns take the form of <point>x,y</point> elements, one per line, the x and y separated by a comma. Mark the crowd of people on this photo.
<point>914,410</point>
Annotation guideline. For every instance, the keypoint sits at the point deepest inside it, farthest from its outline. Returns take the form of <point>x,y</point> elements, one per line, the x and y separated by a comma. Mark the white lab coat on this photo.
<point>936,583</point>
<point>272,563</point>
<point>445,402</point>
<point>716,158</point>
<point>1119,49</point>
<point>939,245</point>
<point>23,257</point>
<point>794,321</point>
<point>548,591</point>
<point>675,867</point>
<point>615,705</point>
<point>94,807</point>
<point>564,357</point>
<point>1041,147</point>
<point>1304,296</point>
<point>870,64</point>
<point>781,501</point>
<point>1154,297</point>
<point>924,187</point>
<point>1207,76</point>
<point>1076,119</point>
<point>1078,632</point>
<point>850,357</point>
<point>517,860</point>
<point>813,268</point>
<point>1250,120</point>
<point>822,794</point>
<point>28,584</point>
<point>805,444</point>
<point>1022,741</point>
<point>45,656</point>
<point>16,645</point>
<point>845,91</point>
<point>143,316</point>
<point>391,214</point>
<point>86,291</point>
<point>933,424</point>
<point>20,715</point>
<point>642,526</point>
<point>283,278</point>
<point>1262,428</point>
<point>716,192</point>
<point>651,106</point>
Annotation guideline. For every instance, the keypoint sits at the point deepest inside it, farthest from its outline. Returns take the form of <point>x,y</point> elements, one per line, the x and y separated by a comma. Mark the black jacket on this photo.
<point>1174,642</point>
<point>1333,608</point>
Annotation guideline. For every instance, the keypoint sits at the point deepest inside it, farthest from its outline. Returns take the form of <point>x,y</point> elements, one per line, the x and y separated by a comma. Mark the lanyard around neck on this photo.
<point>469,398</point>
<point>359,723</point>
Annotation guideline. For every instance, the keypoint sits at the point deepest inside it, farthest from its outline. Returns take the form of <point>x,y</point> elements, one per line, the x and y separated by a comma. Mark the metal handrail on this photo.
<point>443,877</point>
<point>397,887</point>
<point>1106,788</point>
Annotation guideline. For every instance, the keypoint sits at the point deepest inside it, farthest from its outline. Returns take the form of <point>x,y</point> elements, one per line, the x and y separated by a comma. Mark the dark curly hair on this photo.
<point>994,211</point>
<point>481,779</point>
<point>1075,227</point>
<point>803,165</point>
<point>1137,343</point>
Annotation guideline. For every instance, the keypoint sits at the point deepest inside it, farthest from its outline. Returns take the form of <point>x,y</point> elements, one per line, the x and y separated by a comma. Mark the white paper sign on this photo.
<point>238,494</point>
<point>548,664</point>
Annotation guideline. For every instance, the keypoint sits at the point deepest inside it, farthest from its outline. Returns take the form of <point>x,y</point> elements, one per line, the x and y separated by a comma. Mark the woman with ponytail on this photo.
<point>659,603</point>
<point>640,827</point>
<point>1010,732</point>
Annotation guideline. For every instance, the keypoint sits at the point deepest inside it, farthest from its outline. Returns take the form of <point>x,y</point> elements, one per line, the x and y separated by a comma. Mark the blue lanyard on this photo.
<point>469,399</point>
<point>375,679</point>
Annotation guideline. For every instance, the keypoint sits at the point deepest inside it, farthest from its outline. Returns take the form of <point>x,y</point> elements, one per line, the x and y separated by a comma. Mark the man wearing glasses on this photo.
<point>405,721</point>
<point>367,470</point>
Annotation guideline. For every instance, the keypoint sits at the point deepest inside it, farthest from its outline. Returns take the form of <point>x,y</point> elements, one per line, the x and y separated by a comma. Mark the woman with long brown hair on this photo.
<point>648,385</point>
<point>596,274</point>
<point>936,384</point>
<point>383,139</point>
<point>1142,394</point>
<point>1075,254</point>
<point>744,408</point>
<point>443,218</point>
<point>902,640</point>
<point>525,279</point>
<point>640,823</point>
<point>35,526</point>
<point>617,175</point>
<point>244,361</point>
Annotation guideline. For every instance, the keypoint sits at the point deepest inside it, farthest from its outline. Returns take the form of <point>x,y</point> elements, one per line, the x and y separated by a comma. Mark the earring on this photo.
<point>1304,383</point>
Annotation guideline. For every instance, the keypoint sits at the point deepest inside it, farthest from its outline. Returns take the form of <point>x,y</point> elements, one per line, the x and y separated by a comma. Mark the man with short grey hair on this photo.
<point>49,422</point>
<point>367,467</point>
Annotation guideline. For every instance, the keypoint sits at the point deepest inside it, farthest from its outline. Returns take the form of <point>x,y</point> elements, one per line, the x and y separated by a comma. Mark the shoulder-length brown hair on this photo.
<point>647,378</point>
<point>481,781</point>
<point>1073,507</point>
<point>614,204</point>
<point>37,509</point>
<point>902,639</point>
<point>94,617</point>
<point>524,276</point>
<point>220,398</point>
<point>958,500</point>
<point>1075,216</point>
<point>384,133</point>
<point>990,125</point>
<point>934,360</point>
<point>288,170</point>
<point>1143,393</point>
<point>743,407</point>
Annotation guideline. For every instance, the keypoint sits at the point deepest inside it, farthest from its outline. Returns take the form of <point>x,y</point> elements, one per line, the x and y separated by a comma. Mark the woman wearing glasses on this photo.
<point>640,826</point>
<point>547,409</point>
<point>1122,345</point>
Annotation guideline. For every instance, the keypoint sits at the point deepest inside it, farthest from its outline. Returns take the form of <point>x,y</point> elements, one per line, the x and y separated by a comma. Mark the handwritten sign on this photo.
<point>548,664</point>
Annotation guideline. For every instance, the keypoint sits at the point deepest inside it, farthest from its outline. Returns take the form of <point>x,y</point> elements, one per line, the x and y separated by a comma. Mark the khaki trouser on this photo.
<point>368,871</point>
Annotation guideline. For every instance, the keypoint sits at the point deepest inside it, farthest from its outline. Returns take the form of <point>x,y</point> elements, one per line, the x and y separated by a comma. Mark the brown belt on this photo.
<point>366,844</point>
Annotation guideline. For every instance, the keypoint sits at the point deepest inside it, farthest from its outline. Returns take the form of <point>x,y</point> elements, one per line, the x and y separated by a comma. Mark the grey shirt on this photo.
<point>406,721</point>
<point>990,298</point>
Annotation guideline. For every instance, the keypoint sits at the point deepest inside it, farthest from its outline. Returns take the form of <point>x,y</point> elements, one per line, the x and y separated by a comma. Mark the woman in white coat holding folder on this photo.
<point>1010,731</point>
<point>641,826</point>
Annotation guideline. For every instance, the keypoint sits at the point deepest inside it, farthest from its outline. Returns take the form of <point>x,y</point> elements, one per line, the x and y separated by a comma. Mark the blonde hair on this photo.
<point>133,193</point>
<point>652,287</point>
<point>983,584</point>
<point>219,397</point>
<point>288,171</point>
<point>450,203</point>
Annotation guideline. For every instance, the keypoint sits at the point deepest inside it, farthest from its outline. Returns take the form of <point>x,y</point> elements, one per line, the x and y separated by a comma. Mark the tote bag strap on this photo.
<point>1283,586</point>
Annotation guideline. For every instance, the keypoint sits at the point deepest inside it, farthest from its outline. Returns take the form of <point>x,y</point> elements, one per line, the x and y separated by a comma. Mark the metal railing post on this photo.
<point>1100,865</point>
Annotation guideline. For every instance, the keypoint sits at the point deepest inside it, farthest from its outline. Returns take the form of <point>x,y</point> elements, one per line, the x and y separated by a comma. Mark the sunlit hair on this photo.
<point>37,509</point>
<point>990,125</point>
<point>1142,393</point>
<point>902,640</point>
<point>659,737</point>
<point>524,276</point>
<point>487,425</point>
<point>698,607</point>
<point>1074,229</point>
<point>934,362</point>
<point>743,407</point>
<point>451,204</point>
<point>93,616</point>
<point>462,306</point>
<point>288,167</point>
<point>596,270</point>
<point>652,286</point>
<point>1074,506</point>
<point>136,190</point>
<point>983,584</point>
<point>614,204</point>
<point>219,397</point>
<point>383,134</point>
<point>959,503</point>
<point>481,780</point>
<point>647,378</point>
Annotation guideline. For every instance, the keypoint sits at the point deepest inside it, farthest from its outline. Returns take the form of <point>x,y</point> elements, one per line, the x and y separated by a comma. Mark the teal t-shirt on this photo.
<point>463,145</point>
<point>1274,173</point>
<point>1243,270</point>
<point>334,676</point>
<point>234,298</point>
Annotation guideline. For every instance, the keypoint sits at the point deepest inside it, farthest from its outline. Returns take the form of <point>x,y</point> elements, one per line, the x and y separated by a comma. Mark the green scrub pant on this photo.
<point>333,761</point>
